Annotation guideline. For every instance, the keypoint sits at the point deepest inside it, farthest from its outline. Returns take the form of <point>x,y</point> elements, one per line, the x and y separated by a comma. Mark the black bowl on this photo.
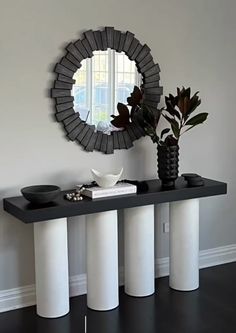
<point>41,194</point>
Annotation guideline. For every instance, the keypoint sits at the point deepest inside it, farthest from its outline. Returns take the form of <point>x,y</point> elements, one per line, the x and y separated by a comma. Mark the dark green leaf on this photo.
<point>171,110</point>
<point>188,92</point>
<point>198,119</point>
<point>174,125</point>
<point>150,132</point>
<point>165,131</point>
<point>175,130</point>
<point>181,103</point>
<point>172,121</point>
<point>172,99</point>
<point>186,105</point>
<point>193,104</point>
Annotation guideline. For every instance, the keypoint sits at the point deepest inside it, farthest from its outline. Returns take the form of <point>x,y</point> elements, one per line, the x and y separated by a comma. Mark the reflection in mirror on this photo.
<point>102,81</point>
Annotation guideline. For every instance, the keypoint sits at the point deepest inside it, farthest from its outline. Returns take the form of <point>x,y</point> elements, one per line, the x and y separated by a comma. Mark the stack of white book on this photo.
<point>118,189</point>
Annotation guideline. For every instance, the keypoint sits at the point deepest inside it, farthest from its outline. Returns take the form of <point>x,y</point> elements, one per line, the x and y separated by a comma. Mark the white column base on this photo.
<point>51,268</point>
<point>184,245</point>
<point>102,261</point>
<point>139,251</point>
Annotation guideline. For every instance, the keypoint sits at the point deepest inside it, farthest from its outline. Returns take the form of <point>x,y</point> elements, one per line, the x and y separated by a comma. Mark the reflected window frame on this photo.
<point>112,71</point>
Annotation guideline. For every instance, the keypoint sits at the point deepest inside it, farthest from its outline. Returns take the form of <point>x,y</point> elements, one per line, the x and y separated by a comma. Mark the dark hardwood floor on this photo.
<point>210,309</point>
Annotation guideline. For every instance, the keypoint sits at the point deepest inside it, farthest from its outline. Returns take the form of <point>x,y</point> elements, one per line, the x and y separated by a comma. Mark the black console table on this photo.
<point>26,212</point>
<point>51,252</point>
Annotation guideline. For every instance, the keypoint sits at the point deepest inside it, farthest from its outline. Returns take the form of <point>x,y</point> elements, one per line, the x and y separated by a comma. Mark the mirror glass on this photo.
<point>102,81</point>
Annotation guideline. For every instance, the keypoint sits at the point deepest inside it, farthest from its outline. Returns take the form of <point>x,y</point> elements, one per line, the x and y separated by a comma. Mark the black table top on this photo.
<point>26,212</point>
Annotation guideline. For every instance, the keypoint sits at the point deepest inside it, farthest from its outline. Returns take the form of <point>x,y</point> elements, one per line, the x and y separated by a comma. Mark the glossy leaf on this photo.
<point>175,130</point>
<point>198,119</point>
<point>164,131</point>
<point>173,99</point>
<point>181,103</point>
<point>171,108</point>
<point>188,92</point>
<point>174,125</point>
<point>193,104</point>
<point>152,133</point>
<point>172,121</point>
<point>186,104</point>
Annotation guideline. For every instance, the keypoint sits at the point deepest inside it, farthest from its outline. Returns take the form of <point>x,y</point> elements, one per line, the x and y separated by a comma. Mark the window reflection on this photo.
<point>101,82</point>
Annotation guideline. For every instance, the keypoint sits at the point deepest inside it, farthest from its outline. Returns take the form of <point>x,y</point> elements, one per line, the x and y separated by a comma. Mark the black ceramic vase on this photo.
<point>168,165</point>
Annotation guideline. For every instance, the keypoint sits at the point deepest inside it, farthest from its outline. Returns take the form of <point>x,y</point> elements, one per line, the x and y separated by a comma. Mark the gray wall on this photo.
<point>195,45</point>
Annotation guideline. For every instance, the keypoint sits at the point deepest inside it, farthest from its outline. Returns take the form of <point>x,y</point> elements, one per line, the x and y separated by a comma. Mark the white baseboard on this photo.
<point>16,298</point>
<point>217,256</point>
<point>78,285</point>
<point>207,258</point>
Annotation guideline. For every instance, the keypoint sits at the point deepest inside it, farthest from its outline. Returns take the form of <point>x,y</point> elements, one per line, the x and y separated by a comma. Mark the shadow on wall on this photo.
<point>77,245</point>
<point>161,215</point>
<point>16,252</point>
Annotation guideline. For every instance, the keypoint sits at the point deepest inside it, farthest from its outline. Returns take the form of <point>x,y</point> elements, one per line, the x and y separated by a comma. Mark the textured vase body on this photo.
<point>168,165</point>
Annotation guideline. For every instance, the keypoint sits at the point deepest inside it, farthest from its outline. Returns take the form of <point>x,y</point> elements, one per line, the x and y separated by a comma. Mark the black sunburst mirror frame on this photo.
<point>77,129</point>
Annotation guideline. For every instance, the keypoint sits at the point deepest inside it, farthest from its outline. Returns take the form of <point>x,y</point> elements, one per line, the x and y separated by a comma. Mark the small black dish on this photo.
<point>40,194</point>
<point>190,175</point>
<point>193,179</point>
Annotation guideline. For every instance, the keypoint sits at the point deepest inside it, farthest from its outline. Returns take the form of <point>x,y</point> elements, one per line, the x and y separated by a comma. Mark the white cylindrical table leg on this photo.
<point>139,251</point>
<point>184,245</point>
<point>51,268</point>
<point>102,261</point>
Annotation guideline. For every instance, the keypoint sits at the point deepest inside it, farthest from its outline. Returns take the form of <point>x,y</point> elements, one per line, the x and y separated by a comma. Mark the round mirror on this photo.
<point>101,82</point>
